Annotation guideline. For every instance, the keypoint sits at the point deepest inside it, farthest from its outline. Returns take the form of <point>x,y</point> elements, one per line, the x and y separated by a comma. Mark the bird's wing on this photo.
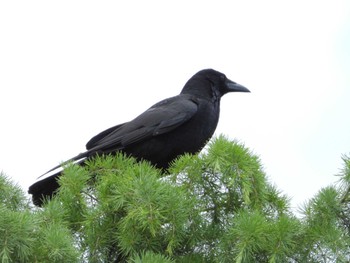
<point>161,118</point>
<point>94,140</point>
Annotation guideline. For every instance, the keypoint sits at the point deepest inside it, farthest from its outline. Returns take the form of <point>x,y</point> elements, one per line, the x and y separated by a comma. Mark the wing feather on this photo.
<point>161,118</point>
<point>94,141</point>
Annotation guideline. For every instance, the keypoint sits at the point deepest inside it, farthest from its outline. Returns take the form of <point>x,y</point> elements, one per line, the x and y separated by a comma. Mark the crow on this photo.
<point>170,128</point>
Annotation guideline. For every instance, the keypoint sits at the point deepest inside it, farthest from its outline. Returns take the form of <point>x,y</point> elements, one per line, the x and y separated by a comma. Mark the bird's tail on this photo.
<point>44,189</point>
<point>47,187</point>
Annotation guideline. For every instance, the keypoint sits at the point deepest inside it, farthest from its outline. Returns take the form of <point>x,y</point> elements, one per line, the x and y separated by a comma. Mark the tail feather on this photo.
<point>74,159</point>
<point>44,189</point>
<point>47,187</point>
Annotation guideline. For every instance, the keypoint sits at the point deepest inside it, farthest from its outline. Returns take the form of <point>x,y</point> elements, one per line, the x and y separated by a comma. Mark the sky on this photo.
<point>70,69</point>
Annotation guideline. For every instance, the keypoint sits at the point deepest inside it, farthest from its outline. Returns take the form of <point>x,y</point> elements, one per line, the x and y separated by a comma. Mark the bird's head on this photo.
<point>211,84</point>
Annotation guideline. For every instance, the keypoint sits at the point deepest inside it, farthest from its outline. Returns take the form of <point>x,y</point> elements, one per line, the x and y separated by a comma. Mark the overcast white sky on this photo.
<point>70,69</point>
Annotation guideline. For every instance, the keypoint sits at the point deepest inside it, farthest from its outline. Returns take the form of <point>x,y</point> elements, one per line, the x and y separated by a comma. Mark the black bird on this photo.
<point>171,127</point>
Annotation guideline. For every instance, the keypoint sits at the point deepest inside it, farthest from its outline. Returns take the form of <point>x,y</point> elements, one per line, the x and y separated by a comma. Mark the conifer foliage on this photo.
<point>214,207</point>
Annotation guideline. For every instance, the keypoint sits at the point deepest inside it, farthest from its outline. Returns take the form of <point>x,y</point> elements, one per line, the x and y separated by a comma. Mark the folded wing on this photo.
<point>161,118</point>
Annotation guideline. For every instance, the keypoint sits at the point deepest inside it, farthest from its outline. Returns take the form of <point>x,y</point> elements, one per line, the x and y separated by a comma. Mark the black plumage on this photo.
<point>171,127</point>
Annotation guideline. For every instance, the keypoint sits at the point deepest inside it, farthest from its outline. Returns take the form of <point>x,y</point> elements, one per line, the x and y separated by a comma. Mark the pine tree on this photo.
<point>217,206</point>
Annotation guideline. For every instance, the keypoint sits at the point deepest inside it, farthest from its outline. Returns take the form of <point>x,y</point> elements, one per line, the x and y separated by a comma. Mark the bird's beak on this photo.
<point>235,87</point>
